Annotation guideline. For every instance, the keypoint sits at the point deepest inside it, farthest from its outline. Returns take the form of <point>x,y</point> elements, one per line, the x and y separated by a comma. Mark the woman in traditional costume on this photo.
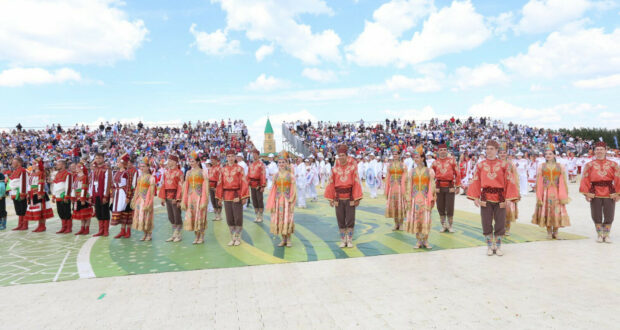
<point>281,201</point>
<point>142,201</point>
<point>394,190</point>
<point>82,210</point>
<point>420,198</point>
<point>551,195</point>
<point>195,199</point>
<point>39,205</point>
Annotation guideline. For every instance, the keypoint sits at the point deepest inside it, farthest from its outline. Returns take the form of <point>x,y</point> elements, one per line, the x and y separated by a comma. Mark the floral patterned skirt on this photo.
<point>282,217</point>
<point>395,205</point>
<point>551,213</point>
<point>419,216</point>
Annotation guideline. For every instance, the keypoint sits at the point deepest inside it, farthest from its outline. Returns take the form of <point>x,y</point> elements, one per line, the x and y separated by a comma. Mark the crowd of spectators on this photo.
<point>81,142</point>
<point>462,136</point>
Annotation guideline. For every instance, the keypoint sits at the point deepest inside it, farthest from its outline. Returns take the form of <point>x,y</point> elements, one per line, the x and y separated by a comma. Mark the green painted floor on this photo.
<point>34,258</point>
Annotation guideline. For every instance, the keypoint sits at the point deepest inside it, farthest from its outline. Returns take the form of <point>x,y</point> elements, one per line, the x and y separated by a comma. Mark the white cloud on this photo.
<point>36,76</point>
<point>267,83</point>
<point>319,75</point>
<point>602,82</point>
<point>418,85</point>
<point>399,16</point>
<point>263,51</point>
<point>580,53</point>
<point>256,129</point>
<point>46,32</point>
<point>452,29</point>
<point>502,23</point>
<point>482,75</point>
<point>558,116</point>
<point>215,43</point>
<point>541,16</point>
<point>277,22</point>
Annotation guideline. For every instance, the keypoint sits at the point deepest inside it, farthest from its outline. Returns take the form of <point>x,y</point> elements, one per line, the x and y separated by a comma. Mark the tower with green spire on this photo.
<point>269,145</point>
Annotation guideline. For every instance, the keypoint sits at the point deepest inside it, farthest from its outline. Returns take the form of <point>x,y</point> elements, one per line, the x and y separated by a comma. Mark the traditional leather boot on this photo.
<point>100,232</point>
<point>238,236</point>
<point>232,236</point>
<point>19,224</point>
<point>87,229</point>
<point>41,227</point>
<point>343,239</point>
<point>599,232</point>
<point>121,233</point>
<point>444,227</point>
<point>606,230</point>
<point>350,238</point>
<point>450,221</point>
<point>69,228</point>
<point>490,245</point>
<point>127,231</point>
<point>106,227</point>
<point>82,230</point>
<point>498,246</point>
<point>178,235</point>
<point>174,234</point>
<point>64,227</point>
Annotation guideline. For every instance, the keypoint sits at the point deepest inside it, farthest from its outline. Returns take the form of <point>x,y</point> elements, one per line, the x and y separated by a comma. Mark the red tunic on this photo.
<point>344,182</point>
<point>214,175</point>
<point>100,182</point>
<point>132,172</point>
<point>232,184</point>
<point>447,173</point>
<point>257,174</point>
<point>172,185</point>
<point>601,178</point>
<point>493,181</point>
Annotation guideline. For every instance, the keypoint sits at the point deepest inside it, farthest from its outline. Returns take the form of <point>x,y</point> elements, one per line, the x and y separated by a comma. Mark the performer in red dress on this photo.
<point>61,195</point>
<point>121,197</point>
<point>448,180</point>
<point>170,193</point>
<point>344,191</point>
<point>18,180</point>
<point>39,206</point>
<point>257,177</point>
<point>600,184</point>
<point>492,185</point>
<point>214,177</point>
<point>232,190</point>
<point>99,191</point>
<point>82,210</point>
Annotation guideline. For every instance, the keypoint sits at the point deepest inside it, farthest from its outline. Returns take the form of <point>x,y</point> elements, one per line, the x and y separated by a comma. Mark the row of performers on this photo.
<point>411,195</point>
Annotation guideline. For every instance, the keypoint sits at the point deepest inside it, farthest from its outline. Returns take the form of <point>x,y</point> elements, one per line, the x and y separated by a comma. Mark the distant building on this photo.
<point>269,146</point>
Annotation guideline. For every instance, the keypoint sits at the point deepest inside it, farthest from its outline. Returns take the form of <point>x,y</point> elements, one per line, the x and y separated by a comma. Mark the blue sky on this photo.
<point>552,63</point>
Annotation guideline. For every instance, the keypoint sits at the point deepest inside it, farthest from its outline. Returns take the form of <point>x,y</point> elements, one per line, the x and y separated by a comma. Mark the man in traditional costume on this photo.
<point>99,191</point>
<point>61,195</point>
<point>18,181</point>
<point>600,184</point>
<point>491,186</point>
<point>344,191</point>
<point>257,178</point>
<point>448,180</point>
<point>170,193</point>
<point>233,192</point>
<point>214,177</point>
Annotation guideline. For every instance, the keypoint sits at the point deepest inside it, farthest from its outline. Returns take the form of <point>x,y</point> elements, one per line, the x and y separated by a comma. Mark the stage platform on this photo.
<point>47,257</point>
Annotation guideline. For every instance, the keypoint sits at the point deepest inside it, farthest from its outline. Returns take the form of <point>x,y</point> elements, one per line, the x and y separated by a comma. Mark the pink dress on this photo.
<point>395,191</point>
<point>420,195</point>
<point>195,200</point>
<point>512,209</point>
<point>551,196</point>
<point>142,203</point>
<point>281,203</point>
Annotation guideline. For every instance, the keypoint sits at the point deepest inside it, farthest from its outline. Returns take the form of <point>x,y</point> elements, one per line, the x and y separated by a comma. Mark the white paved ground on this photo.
<point>548,285</point>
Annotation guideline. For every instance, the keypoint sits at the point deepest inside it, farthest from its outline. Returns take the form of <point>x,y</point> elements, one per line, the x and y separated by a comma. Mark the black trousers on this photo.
<point>493,211</point>
<point>345,214</point>
<point>64,210</point>
<point>602,210</point>
<point>234,213</point>
<point>102,210</point>
<point>257,198</point>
